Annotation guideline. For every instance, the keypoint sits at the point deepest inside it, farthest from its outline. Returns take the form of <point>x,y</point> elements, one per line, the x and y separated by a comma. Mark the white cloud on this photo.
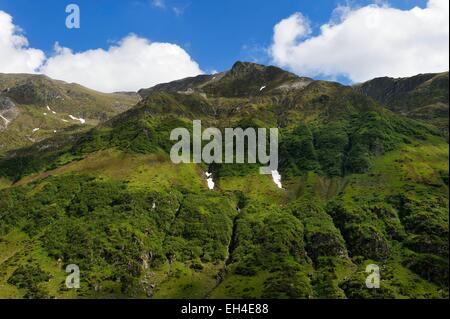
<point>367,42</point>
<point>178,10</point>
<point>15,55</point>
<point>131,64</point>
<point>158,3</point>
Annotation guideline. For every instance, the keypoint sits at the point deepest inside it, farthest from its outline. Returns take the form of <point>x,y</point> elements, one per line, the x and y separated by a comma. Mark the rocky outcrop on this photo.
<point>422,97</point>
<point>8,112</point>
<point>243,80</point>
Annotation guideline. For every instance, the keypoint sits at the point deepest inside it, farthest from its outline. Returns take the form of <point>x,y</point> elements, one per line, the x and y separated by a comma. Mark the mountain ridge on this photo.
<point>261,77</point>
<point>423,97</point>
<point>361,185</point>
<point>34,107</point>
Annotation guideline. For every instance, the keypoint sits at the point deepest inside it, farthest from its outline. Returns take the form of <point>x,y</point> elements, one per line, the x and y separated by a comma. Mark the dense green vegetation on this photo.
<point>424,96</point>
<point>361,185</point>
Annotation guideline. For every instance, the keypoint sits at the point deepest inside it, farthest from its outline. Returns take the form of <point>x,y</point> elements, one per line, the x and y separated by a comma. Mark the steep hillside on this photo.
<point>243,80</point>
<point>423,97</point>
<point>34,107</point>
<point>360,185</point>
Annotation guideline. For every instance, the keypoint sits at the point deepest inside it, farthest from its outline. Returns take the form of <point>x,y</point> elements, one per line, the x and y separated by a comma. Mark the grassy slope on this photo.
<point>423,96</point>
<point>361,186</point>
<point>179,279</point>
<point>33,93</point>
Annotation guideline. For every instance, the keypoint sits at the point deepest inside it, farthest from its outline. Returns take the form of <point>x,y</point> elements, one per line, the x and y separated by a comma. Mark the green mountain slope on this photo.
<point>361,185</point>
<point>34,107</point>
<point>423,97</point>
<point>243,80</point>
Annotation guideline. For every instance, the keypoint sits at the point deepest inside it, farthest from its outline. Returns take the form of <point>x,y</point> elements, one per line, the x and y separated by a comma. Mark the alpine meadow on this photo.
<point>361,184</point>
<point>314,165</point>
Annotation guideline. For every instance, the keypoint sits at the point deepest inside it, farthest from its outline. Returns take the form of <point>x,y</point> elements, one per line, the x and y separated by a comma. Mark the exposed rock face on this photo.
<point>8,112</point>
<point>243,80</point>
<point>422,97</point>
<point>6,103</point>
<point>296,85</point>
<point>191,84</point>
<point>37,91</point>
<point>386,89</point>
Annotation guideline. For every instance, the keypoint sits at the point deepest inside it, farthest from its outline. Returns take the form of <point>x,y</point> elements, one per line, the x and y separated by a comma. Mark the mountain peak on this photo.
<point>242,67</point>
<point>242,80</point>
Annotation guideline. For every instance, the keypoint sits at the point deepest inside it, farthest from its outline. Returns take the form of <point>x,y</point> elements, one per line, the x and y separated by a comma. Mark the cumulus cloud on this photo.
<point>129,65</point>
<point>15,55</point>
<point>132,64</point>
<point>367,42</point>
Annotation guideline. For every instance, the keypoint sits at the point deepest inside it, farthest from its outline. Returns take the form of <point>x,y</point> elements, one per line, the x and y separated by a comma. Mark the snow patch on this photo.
<point>262,88</point>
<point>45,114</point>
<point>36,129</point>
<point>210,180</point>
<point>48,108</point>
<point>5,119</point>
<point>82,121</point>
<point>277,179</point>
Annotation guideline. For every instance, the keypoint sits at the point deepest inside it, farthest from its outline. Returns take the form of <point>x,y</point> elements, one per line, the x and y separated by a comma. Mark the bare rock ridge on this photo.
<point>8,112</point>
<point>244,79</point>
<point>387,89</point>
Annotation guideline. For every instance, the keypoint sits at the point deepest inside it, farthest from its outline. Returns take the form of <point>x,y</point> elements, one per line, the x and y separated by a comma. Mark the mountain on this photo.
<point>423,97</point>
<point>34,107</point>
<point>361,185</point>
<point>243,80</point>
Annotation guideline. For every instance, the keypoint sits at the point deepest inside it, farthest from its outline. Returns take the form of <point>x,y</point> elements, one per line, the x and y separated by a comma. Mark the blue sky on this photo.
<point>215,33</point>
<point>130,44</point>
